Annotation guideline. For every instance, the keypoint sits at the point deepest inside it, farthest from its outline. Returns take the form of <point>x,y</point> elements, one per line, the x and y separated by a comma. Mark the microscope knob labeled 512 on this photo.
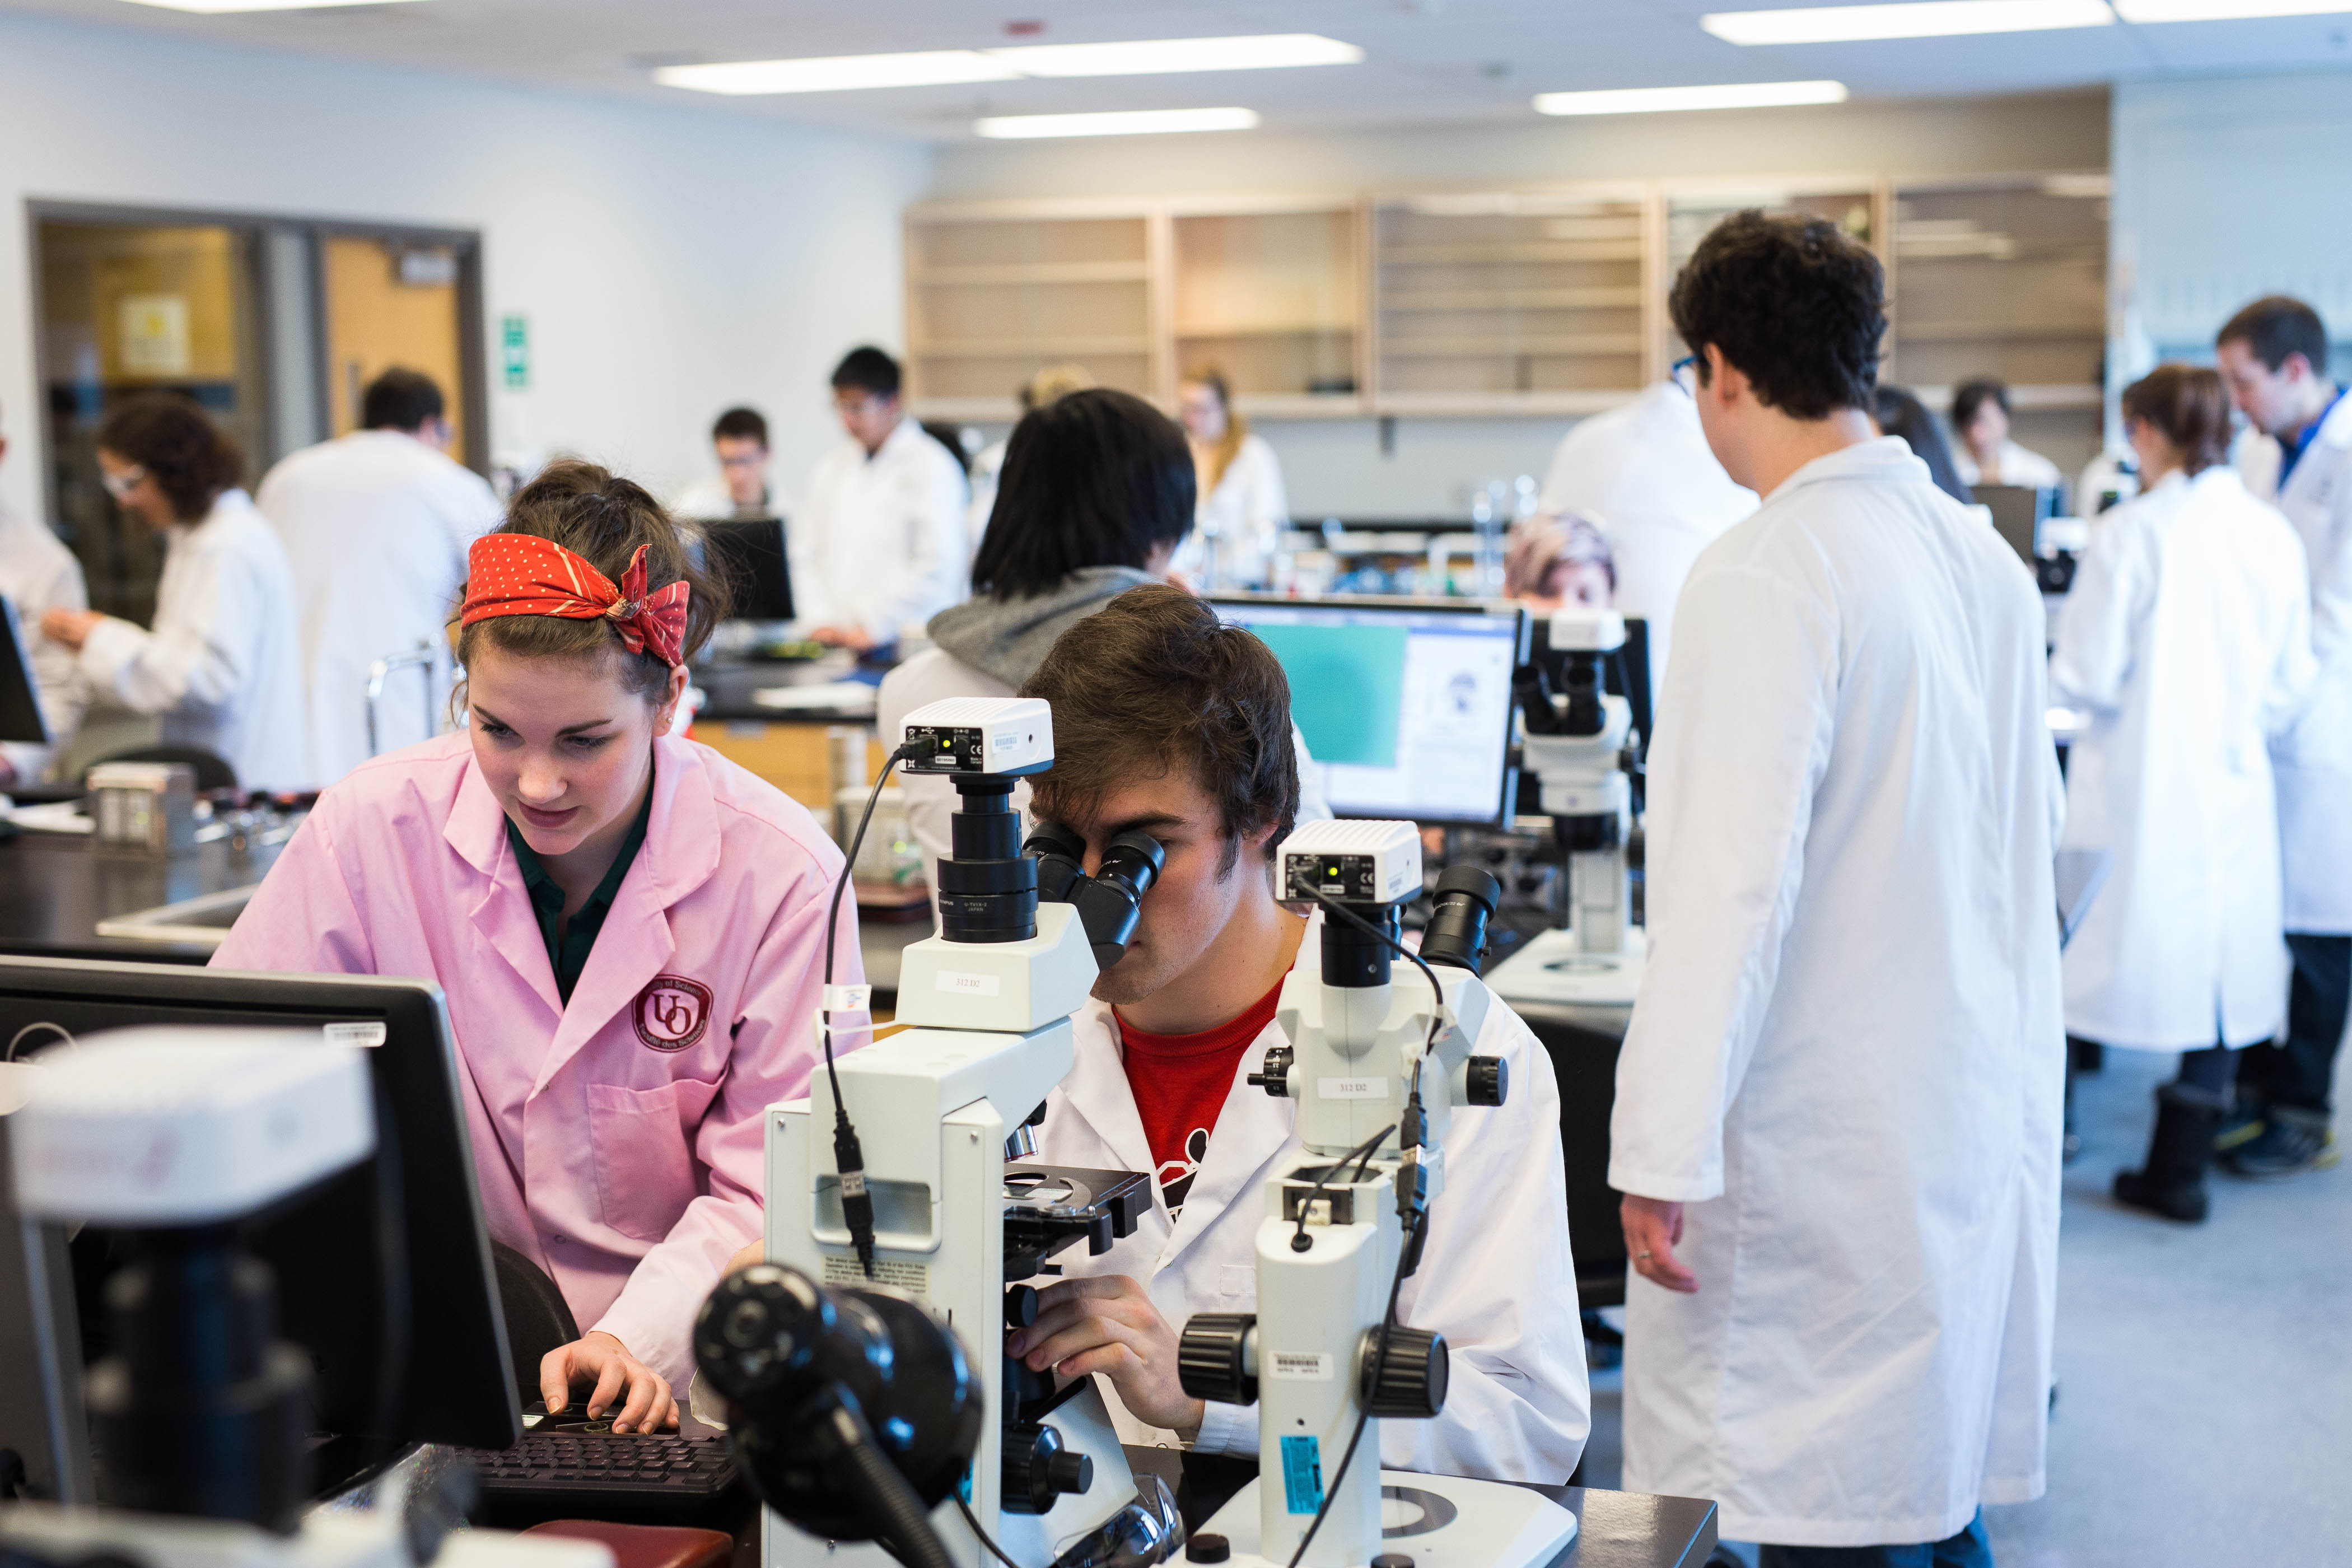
<point>1409,1382</point>
<point>1275,1079</point>
<point>1212,1357</point>
<point>1488,1080</point>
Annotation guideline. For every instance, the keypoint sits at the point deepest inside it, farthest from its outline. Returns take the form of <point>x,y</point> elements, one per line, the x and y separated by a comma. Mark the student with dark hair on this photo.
<point>1048,385</point>
<point>1897,413</point>
<point>1169,722</point>
<point>1096,498</point>
<point>1984,454</point>
<point>2186,640</point>
<point>2273,355</point>
<point>375,525</point>
<point>630,929</point>
<point>1838,1108</point>
<point>222,663</point>
<point>741,488</point>
<point>878,546</point>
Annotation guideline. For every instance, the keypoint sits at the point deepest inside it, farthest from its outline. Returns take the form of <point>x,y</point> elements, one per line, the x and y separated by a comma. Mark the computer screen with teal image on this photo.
<point>1406,707</point>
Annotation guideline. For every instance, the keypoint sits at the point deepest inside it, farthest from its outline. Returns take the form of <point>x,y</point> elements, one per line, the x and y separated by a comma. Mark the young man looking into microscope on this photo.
<point>1169,722</point>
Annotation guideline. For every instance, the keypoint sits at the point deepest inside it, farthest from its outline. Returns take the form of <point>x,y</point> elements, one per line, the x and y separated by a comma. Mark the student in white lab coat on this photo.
<point>1242,509</point>
<point>1838,1105</point>
<point>1169,722</point>
<point>376,524</point>
<point>1048,385</point>
<point>1643,472</point>
<point>878,545</point>
<point>1097,496</point>
<point>1984,454</point>
<point>2187,640</point>
<point>741,488</point>
<point>2273,354</point>
<point>38,574</point>
<point>223,664</point>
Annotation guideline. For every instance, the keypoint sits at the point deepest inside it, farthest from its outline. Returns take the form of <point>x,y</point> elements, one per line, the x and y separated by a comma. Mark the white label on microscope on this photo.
<point>1352,1087</point>
<point>957,983</point>
<point>1301,1366</point>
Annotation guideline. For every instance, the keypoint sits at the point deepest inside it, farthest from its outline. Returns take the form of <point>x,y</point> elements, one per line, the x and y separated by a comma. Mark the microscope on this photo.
<point>938,1205</point>
<point>1378,1067</point>
<point>176,1137</point>
<point>1580,744</point>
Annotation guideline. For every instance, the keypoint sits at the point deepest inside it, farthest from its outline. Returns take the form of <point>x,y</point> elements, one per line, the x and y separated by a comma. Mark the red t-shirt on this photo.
<point>1180,1083</point>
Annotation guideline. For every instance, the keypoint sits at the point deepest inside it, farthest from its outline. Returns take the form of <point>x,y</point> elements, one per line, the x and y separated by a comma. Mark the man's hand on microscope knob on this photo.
<point>1106,1323</point>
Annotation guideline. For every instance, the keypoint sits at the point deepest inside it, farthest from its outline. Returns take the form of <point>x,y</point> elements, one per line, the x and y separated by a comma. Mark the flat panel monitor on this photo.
<point>2018,514</point>
<point>1405,704</point>
<point>751,554</point>
<point>20,705</point>
<point>423,1364</point>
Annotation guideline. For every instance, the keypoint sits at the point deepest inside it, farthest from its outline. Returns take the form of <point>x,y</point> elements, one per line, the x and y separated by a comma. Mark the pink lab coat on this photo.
<point>640,1136</point>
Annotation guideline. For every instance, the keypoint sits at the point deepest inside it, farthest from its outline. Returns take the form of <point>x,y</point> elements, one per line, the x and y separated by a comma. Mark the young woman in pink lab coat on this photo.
<point>630,929</point>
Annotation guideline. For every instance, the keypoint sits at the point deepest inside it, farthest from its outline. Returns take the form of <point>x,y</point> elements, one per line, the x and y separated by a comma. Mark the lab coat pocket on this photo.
<point>644,1170</point>
<point>1236,1284</point>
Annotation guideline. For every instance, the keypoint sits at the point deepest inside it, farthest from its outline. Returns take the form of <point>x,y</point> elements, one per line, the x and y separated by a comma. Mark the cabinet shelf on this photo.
<point>1032,272</point>
<point>1628,249</point>
<point>1032,347</point>
<point>1436,347</point>
<point>1608,298</point>
<point>1998,331</point>
<point>1327,329</point>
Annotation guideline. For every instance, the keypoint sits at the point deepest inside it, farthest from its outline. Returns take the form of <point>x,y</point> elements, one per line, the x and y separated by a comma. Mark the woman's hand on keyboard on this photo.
<point>643,1396</point>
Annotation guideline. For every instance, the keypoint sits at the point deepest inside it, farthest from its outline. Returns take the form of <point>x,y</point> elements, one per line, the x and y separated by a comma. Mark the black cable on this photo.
<point>849,1159</point>
<point>1299,1242</point>
<point>1364,1415</point>
<point>902,1525</point>
<point>973,1519</point>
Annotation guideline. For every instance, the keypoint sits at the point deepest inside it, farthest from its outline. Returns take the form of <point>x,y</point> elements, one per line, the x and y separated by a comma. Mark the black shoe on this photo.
<point>2172,1182</point>
<point>2291,1141</point>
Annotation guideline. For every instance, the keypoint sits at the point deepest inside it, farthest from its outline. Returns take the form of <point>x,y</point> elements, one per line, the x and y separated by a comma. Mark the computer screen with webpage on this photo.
<point>1406,707</point>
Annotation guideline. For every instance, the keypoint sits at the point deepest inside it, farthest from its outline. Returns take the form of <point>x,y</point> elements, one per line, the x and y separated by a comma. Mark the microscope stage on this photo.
<point>1552,971</point>
<point>1439,1521</point>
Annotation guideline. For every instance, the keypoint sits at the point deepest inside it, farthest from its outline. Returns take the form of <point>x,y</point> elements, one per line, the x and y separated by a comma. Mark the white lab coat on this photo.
<point>879,541</point>
<point>2313,761</point>
<point>1237,525</point>
<point>1497,1278</point>
<point>2186,638</point>
<point>1643,472</point>
<point>376,525</point>
<point>2017,467</point>
<point>38,574</point>
<point>1846,1057</point>
<point>223,664</point>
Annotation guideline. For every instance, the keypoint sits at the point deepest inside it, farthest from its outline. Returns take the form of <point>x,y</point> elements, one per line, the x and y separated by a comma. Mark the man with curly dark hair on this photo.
<point>1838,1108</point>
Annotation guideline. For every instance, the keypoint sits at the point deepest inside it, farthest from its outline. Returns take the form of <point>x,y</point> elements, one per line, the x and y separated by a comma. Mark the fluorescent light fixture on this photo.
<point>1663,99</point>
<point>1158,56</point>
<point>2223,10</point>
<point>223,8</point>
<point>1916,19</point>
<point>842,73</point>
<point>1126,122</point>
<point>838,73</point>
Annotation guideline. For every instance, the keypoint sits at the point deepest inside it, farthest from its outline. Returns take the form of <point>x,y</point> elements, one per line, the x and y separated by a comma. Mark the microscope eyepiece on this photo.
<point>1109,902</point>
<point>1466,899</point>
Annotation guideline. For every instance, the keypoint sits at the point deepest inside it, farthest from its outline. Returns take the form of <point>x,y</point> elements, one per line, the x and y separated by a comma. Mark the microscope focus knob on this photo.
<point>1212,1357</point>
<point>1038,1469</point>
<point>1489,1080</point>
<point>1411,1381</point>
<point>1275,1080</point>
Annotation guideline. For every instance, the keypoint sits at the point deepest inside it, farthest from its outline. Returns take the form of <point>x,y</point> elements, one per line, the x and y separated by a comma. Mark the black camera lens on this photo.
<point>988,888</point>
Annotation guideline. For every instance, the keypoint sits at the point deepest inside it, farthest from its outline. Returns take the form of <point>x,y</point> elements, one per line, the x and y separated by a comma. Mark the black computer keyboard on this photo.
<point>566,1467</point>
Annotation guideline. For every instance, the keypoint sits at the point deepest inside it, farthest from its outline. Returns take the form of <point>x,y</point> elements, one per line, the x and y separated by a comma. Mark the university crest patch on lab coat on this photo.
<point>673,1012</point>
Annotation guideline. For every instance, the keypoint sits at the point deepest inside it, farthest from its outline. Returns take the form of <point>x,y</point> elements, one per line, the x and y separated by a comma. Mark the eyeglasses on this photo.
<point>863,404</point>
<point>120,485</point>
<point>1675,372</point>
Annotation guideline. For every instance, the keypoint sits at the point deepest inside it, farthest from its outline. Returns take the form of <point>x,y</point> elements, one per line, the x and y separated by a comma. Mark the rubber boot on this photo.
<point>2172,1183</point>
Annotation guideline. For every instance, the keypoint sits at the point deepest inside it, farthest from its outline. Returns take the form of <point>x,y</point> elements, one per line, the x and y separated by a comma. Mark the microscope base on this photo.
<point>1439,1521</point>
<point>1553,970</point>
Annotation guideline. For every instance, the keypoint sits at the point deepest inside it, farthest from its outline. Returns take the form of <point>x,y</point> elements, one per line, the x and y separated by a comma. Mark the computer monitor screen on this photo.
<point>751,554</point>
<point>1405,705</point>
<point>2017,513</point>
<point>20,708</point>
<point>426,1364</point>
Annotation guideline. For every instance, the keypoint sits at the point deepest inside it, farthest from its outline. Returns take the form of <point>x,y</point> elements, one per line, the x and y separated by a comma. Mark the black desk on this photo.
<point>54,892</point>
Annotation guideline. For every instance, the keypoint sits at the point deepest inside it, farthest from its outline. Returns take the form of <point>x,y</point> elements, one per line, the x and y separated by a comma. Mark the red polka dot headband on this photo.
<point>523,575</point>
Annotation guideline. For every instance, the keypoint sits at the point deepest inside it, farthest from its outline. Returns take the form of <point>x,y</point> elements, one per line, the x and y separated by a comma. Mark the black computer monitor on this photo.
<point>20,704</point>
<point>423,1362</point>
<point>2018,513</point>
<point>751,554</point>
<point>1405,703</point>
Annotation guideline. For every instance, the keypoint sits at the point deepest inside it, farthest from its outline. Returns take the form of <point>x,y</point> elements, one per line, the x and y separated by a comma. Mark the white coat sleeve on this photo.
<point>2296,667</point>
<point>1497,1278</point>
<point>1748,720</point>
<point>936,568</point>
<point>204,650</point>
<point>775,1047</point>
<point>807,546</point>
<point>2100,622</point>
<point>1265,507</point>
<point>1312,804</point>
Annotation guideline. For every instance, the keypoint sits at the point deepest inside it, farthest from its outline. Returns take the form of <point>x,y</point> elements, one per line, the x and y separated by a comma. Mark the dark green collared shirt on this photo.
<point>568,942</point>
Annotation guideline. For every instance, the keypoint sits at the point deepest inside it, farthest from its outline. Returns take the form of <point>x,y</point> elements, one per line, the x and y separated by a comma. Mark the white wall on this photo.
<point>670,261</point>
<point>1337,467</point>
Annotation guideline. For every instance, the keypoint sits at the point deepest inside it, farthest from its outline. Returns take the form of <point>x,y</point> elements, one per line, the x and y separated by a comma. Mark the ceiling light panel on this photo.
<point>1128,122</point>
<point>838,73</point>
<point>1666,99</point>
<point>225,7</point>
<point>1268,51</point>
<point>1916,19</point>
<point>2225,10</point>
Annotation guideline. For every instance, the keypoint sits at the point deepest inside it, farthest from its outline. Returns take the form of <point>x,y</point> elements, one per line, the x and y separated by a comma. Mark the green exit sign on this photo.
<point>514,352</point>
